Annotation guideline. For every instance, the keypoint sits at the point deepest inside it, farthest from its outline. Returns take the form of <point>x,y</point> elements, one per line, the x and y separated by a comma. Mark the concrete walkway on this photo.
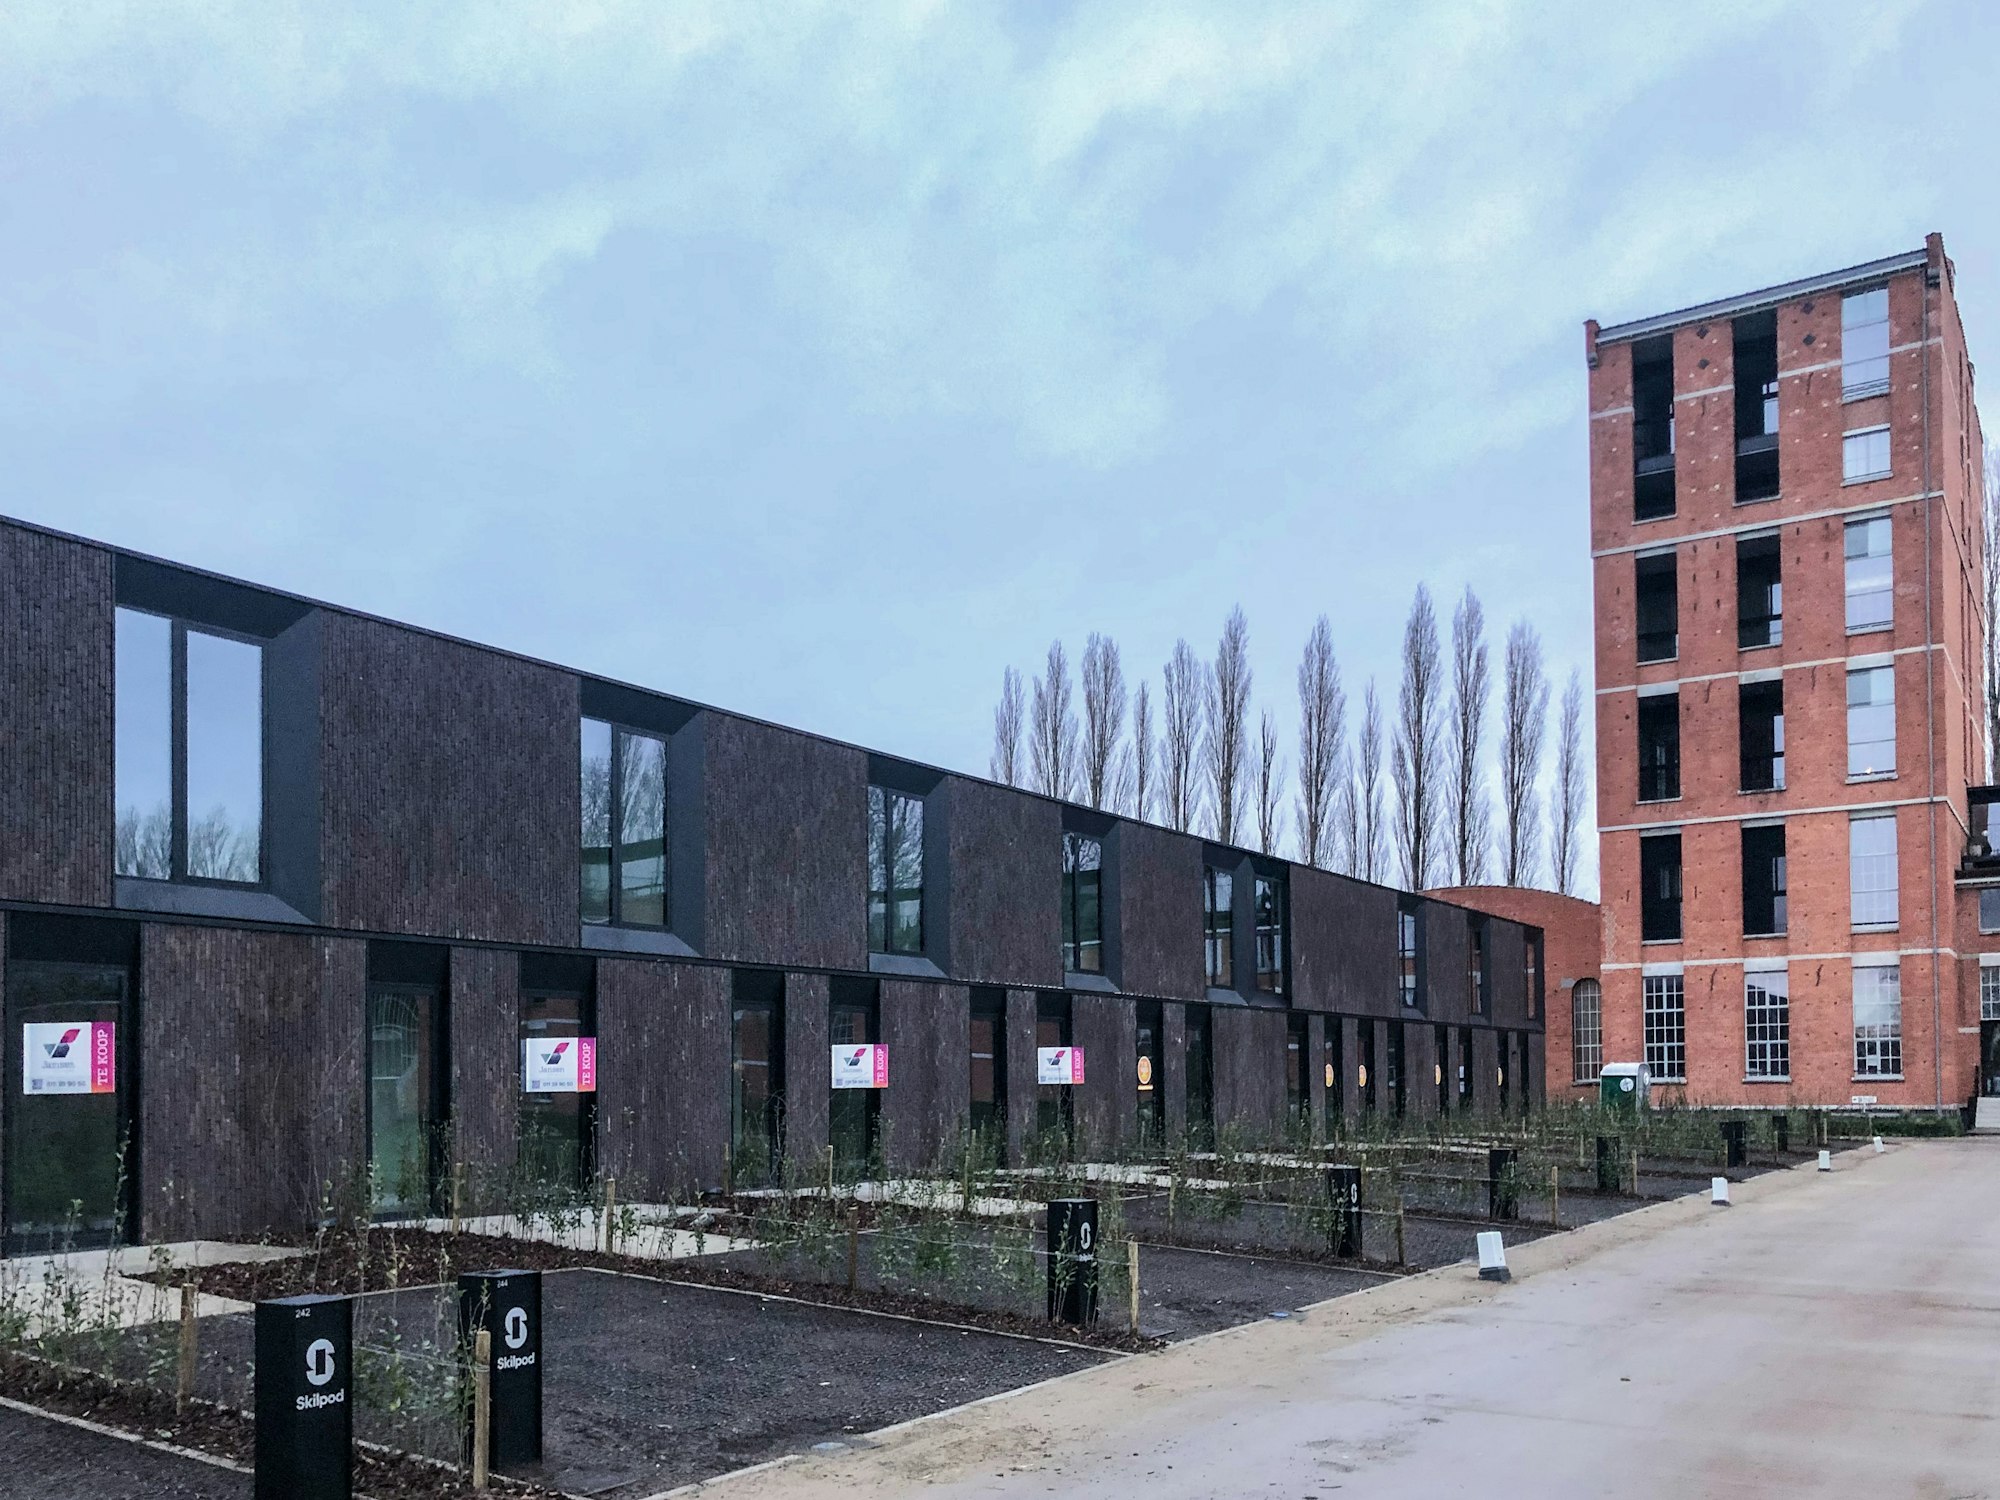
<point>1829,1335</point>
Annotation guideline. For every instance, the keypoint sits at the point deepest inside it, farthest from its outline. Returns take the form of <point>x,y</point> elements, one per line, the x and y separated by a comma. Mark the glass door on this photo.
<point>854,1118</point>
<point>405,1098</point>
<point>1152,1095</point>
<point>555,1127</point>
<point>1200,1079</point>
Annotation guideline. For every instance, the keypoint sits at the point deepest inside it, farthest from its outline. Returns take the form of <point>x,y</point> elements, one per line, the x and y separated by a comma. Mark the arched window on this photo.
<point>1586,1030</point>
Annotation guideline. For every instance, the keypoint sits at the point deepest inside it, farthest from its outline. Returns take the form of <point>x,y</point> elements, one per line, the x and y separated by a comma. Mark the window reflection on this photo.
<point>144,764</point>
<point>225,757</point>
<point>626,771</point>
<point>1083,916</point>
<point>895,872</point>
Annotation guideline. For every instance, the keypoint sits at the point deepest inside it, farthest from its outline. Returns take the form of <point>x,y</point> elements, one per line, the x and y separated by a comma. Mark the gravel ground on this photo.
<point>54,1461</point>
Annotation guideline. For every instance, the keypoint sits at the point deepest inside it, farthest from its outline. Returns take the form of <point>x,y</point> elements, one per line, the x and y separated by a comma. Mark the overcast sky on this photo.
<point>820,362</point>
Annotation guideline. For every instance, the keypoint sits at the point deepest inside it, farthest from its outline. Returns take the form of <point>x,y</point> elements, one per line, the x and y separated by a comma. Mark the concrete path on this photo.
<point>1828,1335</point>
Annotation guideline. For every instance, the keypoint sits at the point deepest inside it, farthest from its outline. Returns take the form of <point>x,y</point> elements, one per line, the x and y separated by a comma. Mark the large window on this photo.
<point>406,1096</point>
<point>1864,344</point>
<point>1871,721</point>
<point>1659,747</point>
<point>757,1063</point>
<point>1657,589</point>
<point>1764,911</point>
<point>1475,969</point>
<point>1767,1024</point>
<point>1878,1019</point>
<point>1270,913</point>
<point>1760,592</point>
<point>1218,921</point>
<point>1864,455</point>
<point>1083,904</point>
<point>624,826</point>
<point>1665,1025</point>
<point>1660,888</point>
<point>989,1065</point>
<point>1760,735</point>
<point>1586,1030</point>
<point>1406,953</point>
<point>1871,870</point>
<point>189,756</point>
<point>895,872</point>
<point>1989,990</point>
<point>1871,578</point>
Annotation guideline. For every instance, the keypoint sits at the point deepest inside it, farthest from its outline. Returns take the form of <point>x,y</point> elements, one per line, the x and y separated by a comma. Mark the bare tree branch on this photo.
<point>1361,814</point>
<point>1322,738</point>
<point>1270,786</point>
<point>1569,787</point>
<point>1103,718</point>
<point>1227,704</point>
<point>1416,756</point>
<point>1007,731</point>
<point>1180,739</point>
<point>1140,783</point>
<point>1524,723</point>
<point>1471,689</point>
<point>1052,728</point>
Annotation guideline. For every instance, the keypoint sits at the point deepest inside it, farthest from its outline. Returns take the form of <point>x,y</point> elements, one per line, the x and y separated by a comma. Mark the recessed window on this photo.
<point>1218,921</point>
<point>989,1066</point>
<point>1760,593</point>
<point>1878,1019</point>
<point>1864,455</point>
<point>1871,721</point>
<point>1083,905</point>
<point>1864,344</point>
<point>1767,1024</point>
<point>1989,990</point>
<point>1764,912</point>
<point>1756,364</point>
<point>1652,429</point>
<point>895,872</point>
<point>189,757</point>
<point>1989,913</point>
<point>1406,952</point>
<point>1657,606</point>
<point>624,797</point>
<point>1871,580</point>
<point>1475,967</point>
<point>1871,871</point>
<point>1664,1022</point>
<point>1660,888</point>
<point>1532,962</point>
<point>1586,1030</point>
<point>1760,735</point>
<point>1659,747</point>
<point>1270,914</point>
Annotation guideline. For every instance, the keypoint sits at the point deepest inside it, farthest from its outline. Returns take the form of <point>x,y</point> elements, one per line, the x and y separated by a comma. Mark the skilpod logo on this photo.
<point>514,1333</point>
<point>320,1369</point>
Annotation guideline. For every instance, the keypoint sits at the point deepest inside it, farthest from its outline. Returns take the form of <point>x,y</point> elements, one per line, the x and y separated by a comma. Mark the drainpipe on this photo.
<point>1930,689</point>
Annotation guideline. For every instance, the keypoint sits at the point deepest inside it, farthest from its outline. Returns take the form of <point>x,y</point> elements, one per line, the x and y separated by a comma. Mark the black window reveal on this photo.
<point>1760,733</point>
<point>1298,1062</point>
<point>757,1063</point>
<point>1659,747</point>
<point>1407,950</point>
<point>1218,926</point>
<point>1270,914</point>
<point>895,872</point>
<point>854,1018</point>
<point>1365,1065</point>
<point>1764,879</point>
<point>1657,606</point>
<point>1475,976</point>
<point>1083,904</point>
<point>1200,1057</point>
<point>624,799</point>
<point>1055,1116</point>
<point>1660,888</point>
<point>1760,592</point>
<point>1147,1077</point>
<point>1756,364</point>
<point>989,1068</point>
<point>1653,429</point>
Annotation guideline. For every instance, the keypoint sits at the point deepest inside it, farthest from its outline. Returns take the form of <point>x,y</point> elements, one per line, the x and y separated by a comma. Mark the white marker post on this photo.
<point>1825,1160</point>
<point>1492,1257</point>
<point>1879,1147</point>
<point>1718,1191</point>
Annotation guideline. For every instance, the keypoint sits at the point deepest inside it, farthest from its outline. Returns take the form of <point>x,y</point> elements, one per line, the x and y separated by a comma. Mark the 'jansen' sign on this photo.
<point>860,1066</point>
<point>69,1057</point>
<point>559,1065</point>
<point>1059,1065</point>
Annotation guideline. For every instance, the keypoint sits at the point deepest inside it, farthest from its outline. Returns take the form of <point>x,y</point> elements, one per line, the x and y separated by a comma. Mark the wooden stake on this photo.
<point>829,1174</point>
<point>610,1210</point>
<point>853,1248</point>
<point>1635,1171</point>
<point>457,1195</point>
<point>1132,1276</point>
<point>1555,1196</point>
<point>728,1170</point>
<point>184,1378</point>
<point>482,1405</point>
<point>1402,1257</point>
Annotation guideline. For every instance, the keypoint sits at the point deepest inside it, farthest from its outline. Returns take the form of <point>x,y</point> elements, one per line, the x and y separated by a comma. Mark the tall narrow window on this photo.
<point>624,835</point>
<point>854,1123</point>
<point>406,1098</point>
<point>1298,1091</point>
<point>1270,913</point>
<point>989,1066</point>
<point>1660,888</point>
<point>1652,429</point>
<point>1083,909</point>
<point>1864,455</point>
<point>1764,911</point>
<point>1871,578</point>
<point>1760,735</point>
<point>1756,362</point>
<point>189,752</point>
<point>1864,344</point>
<point>1199,1037</point>
<point>1659,747</point>
<point>1146,1073</point>
<point>1878,1019</point>
<point>1664,1023</point>
<point>1989,990</point>
<point>1533,961</point>
<point>1760,592</point>
<point>1767,1024</point>
<point>1475,971</point>
<point>1586,1030</point>
<point>1871,721</point>
<point>1989,910</point>
<point>1218,926</point>
<point>1871,870</point>
<point>1406,953</point>
<point>757,1099</point>
<point>1656,596</point>
<point>895,872</point>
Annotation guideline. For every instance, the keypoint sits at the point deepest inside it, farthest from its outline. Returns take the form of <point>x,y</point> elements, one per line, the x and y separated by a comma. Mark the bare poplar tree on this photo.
<point>1322,737</point>
<point>1052,728</point>
<point>1465,792</point>
<point>1139,785</point>
<point>1524,723</point>
<point>1227,704</point>
<point>1007,731</point>
<point>1568,799</point>
<point>1270,786</point>
<point>1416,754</point>
<point>1180,739</point>
<point>1104,698</point>
<point>1361,816</point>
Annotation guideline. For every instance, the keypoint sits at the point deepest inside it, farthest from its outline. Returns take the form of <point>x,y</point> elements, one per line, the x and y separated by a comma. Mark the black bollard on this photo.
<point>1607,1164</point>
<point>508,1305</point>
<point>304,1401</point>
<point>1781,1132</point>
<point>1503,1187</point>
<point>1343,1187</point>
<point>1736,1151</point>
<point>1072,1252</point>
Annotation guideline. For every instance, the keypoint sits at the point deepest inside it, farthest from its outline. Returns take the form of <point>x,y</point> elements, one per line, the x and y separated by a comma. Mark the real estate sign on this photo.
<point>860,1065</point>
<point>69,1057</point>
<point>559,1065</point>
<point>1059,1065</point>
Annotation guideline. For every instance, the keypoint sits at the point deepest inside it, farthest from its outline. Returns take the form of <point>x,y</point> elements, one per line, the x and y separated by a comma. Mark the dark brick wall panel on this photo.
<point>1107,1105</point>
<point>1448,952</point>
<point>1159,913</point>
<point>1316,1072</point>
<point>1350,1066</point>
<point>1006,885</point>
<point>808,1069</point>
<point>1506,961</point>
<point>57,810</point>
<point>485,1060</point>
<point>1343,944</point>
<point>451,802</point>
<point>1173,1068</point>
<point>787,841</point>
<point>1021,1092</point>
<point>928,1030</point>
<point>663,1070</point>
<point>1249,1072</point>
<point>252,1080</point>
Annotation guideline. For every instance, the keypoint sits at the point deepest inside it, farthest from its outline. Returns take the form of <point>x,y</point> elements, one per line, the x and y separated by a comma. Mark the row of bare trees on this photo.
<point>1206,769</point>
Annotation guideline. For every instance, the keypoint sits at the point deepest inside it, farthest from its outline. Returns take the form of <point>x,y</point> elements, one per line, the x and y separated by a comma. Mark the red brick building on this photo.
<point>1789,548</point>
<point>1572,995</point>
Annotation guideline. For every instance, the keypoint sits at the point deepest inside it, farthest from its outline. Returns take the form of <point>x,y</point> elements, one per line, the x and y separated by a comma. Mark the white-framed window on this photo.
<point>1665,1023</point>
<point>1871,721</point>
<point>1767,1023</point>
<point>1871,582</point>
<point>1871,870</point>
<point>1586,1030</point>
<point>1878,1019</point>
<point>1864,455</point>
<point>1989,988</point>
<point>1864,344</point>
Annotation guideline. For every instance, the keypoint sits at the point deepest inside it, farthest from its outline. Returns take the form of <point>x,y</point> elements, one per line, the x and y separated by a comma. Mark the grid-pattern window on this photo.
<point>1878,1021</point>
<point>1219,926</point>
<point>1406,955</point>
<point>1767,1024</point>
<point>1864,344</point>
<point>1665,1023</point>
<point>1989,992</point>
<point>1083,910</point>
<point>1586,1031</point>
<point>1871,870</point>
<point>1871,582</point>
<point>1871,721</point>
<point>1269,910</point>
<point>1864,455</point>
<point>895,872</point>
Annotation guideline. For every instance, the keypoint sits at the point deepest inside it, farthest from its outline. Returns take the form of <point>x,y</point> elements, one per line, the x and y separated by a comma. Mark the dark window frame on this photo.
<point>614,869</point>
<point>1660,909</point>
<point>1218,926</point>
<point>1760,735</point>
<point>1656,607</point>
<point>1764,879</point>
<point>1410,953</point>
<point>882,855</point>
<point>1272,938</point>
<point>1478,936</point>
<point>1659,747</point>
<point>1082,954</point>
<point>1760,592</point>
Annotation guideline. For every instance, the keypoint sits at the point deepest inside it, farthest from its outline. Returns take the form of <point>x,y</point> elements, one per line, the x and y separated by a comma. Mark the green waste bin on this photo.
<point>1622,1087</point>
